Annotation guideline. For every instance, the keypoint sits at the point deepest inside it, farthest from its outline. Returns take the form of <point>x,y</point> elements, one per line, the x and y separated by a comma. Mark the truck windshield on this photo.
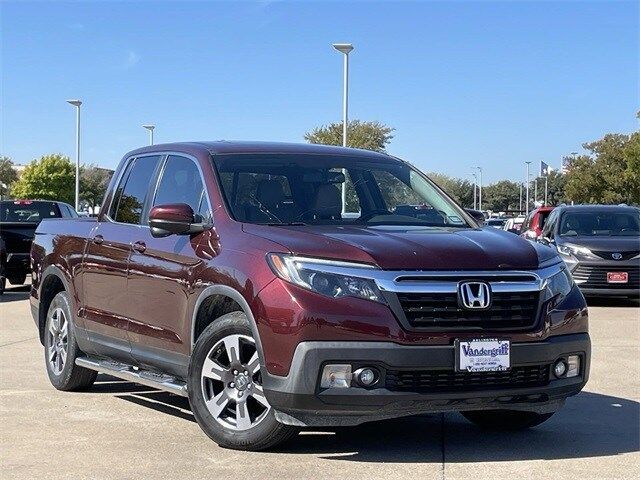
<point>610,224</point>
<point>332,190</point>
<point>27,211</point>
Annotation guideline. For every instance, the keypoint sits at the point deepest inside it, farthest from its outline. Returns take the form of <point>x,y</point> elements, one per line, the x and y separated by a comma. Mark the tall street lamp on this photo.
<point>475,186</point>
<point>77,103</point>
<point>520,197</point>
<point>345,49</point>
<point>480,189</point>
<point>151,128</point>
<point>526,207</point>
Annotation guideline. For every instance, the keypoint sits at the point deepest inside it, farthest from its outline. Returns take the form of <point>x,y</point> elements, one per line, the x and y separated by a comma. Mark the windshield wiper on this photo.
<point>287,224</point>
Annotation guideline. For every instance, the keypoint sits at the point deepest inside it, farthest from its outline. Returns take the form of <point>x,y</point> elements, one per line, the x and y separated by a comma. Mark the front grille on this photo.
<point>624,255</point>
<point>508,310</point>
<point>425,381</point>
<point>588,276</point>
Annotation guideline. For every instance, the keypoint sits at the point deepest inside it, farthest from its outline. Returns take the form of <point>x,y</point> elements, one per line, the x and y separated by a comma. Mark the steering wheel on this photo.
<point>374,213</point>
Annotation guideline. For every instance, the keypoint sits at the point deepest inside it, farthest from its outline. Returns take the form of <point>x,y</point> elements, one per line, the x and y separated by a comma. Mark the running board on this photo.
<point>128,372</point>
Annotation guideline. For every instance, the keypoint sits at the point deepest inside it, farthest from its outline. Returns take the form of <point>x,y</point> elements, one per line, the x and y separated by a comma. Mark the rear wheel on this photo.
<point>506,419</point>
<point>61,349</point>
<point>225,388</point>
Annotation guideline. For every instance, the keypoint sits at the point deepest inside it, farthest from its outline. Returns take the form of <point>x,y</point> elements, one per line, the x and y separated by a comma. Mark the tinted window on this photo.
<point>130,203</point>
<point>27,211</point>
<point>180,183</point>
<point>547,231</point>
<point>603,223</point>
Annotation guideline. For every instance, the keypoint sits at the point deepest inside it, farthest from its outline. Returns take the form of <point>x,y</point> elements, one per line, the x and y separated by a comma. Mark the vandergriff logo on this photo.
<point>484,352</point>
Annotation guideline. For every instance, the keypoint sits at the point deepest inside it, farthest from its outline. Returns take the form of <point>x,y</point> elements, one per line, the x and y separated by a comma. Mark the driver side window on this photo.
<point>547,231</point>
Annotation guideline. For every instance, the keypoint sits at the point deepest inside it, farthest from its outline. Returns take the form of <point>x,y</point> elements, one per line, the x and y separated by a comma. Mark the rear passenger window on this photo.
<point>129,201</point>
<point>180,183</point>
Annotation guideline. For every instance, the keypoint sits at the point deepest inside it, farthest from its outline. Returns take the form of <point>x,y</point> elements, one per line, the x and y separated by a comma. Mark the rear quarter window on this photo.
<point>28,211</point>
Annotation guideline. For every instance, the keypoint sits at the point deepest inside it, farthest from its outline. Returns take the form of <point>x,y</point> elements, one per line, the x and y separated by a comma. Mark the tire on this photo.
<point>17,279</point>
<point>3,284</point>
<point>61,349</point>
<point>506,420</point>
<point>231,407</point>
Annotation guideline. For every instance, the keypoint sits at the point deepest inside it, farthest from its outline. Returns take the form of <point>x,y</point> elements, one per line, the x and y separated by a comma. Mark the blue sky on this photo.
<point>463,83</point>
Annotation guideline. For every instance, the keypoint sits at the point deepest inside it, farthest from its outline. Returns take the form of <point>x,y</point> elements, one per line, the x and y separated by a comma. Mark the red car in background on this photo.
<point>534,223</point>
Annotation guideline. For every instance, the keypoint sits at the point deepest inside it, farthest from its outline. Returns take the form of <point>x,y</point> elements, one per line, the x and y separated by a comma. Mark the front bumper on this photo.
<point>298,400</point>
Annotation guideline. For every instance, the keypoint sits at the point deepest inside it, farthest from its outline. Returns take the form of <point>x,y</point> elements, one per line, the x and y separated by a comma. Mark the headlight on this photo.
<point>569,249</point>
<point>315,275</point>
<point>559,285</point>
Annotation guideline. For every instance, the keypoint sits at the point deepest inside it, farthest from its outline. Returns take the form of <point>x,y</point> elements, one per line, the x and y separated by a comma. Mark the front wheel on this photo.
<point>225,388</point>
<point>506,419</point>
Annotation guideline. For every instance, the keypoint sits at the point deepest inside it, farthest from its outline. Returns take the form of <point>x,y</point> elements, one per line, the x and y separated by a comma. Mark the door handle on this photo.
<point>139,246</point>
<point>98,239</point>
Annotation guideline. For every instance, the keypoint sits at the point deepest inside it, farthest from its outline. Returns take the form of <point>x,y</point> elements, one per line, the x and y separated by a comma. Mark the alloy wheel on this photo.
<point>232,383</point>
<point>57,344</point>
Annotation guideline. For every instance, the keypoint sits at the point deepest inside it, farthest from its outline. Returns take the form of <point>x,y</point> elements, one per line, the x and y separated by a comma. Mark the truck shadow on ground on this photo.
<point>613,302</point>
<point>15,294</point>
<point>589,425</point>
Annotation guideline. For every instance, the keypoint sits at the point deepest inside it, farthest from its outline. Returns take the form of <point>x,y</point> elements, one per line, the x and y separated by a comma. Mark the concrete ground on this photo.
<point>119,430</point>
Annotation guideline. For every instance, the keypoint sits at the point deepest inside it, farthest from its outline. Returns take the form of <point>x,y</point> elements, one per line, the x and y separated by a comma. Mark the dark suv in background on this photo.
<point>234,274</point>
<point>601,246</point>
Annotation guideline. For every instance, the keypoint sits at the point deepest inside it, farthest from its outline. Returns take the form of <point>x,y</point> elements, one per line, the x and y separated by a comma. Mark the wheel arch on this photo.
<point>215,294</point>
<point>53,282</point>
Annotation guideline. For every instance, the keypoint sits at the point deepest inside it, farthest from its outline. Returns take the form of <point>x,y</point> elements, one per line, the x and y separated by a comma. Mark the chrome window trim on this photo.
<point>435,281</point>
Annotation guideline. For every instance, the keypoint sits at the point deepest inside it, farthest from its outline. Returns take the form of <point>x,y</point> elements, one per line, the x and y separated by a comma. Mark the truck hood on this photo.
<point>409,247</point>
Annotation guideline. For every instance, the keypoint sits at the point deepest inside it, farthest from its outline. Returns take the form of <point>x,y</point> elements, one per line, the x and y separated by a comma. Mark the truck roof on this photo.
<point>244,147</point>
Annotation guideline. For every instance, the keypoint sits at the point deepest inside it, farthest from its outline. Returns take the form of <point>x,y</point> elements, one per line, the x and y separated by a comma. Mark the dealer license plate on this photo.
<point>617,277</point>
<point>483,355</point>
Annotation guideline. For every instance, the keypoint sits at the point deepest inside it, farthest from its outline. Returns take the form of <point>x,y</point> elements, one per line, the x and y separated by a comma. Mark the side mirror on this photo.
<point>477,215</point>
<point>174,218</point>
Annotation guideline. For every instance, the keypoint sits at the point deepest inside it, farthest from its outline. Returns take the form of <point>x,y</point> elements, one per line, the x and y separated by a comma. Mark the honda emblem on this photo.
<point>474,295</point>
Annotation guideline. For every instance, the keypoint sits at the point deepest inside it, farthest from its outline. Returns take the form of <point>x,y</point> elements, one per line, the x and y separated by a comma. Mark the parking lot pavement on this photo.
<point>119,430</point>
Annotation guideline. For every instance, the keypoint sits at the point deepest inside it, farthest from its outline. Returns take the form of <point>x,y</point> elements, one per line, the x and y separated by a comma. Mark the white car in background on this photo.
<point>514,225</point>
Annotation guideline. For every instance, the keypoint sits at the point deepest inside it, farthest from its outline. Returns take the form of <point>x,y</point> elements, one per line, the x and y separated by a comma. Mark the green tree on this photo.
<point>52,177</point>
<point>93,184</point>
<point>8,175</point>
<point>556,186</point>
<point>501,196</point>
<point>360,134</point>
<point>610,173</point>
<point>460,190</point>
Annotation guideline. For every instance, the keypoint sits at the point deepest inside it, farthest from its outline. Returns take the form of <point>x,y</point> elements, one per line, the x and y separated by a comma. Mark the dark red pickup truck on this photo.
<point>279,286</point>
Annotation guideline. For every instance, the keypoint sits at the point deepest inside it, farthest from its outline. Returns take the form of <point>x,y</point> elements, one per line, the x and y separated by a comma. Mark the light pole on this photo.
<point>480,189</point>
<point>475,185</point>
<point>77,103</point>
<point>151,128</point>
<point>526,207</point>
<point>345,49</point>
<point>546,189</point>
<point>520,197</point>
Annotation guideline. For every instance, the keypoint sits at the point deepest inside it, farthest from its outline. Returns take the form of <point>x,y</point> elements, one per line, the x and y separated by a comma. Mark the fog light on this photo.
<point>366,376</point>
<point>560,368</point>
<point>336,376</point>
<point>574,366</point>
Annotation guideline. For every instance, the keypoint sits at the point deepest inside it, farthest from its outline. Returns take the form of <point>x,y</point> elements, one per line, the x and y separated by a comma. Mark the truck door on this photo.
<point>105,264</point>
<point>162,272</point>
